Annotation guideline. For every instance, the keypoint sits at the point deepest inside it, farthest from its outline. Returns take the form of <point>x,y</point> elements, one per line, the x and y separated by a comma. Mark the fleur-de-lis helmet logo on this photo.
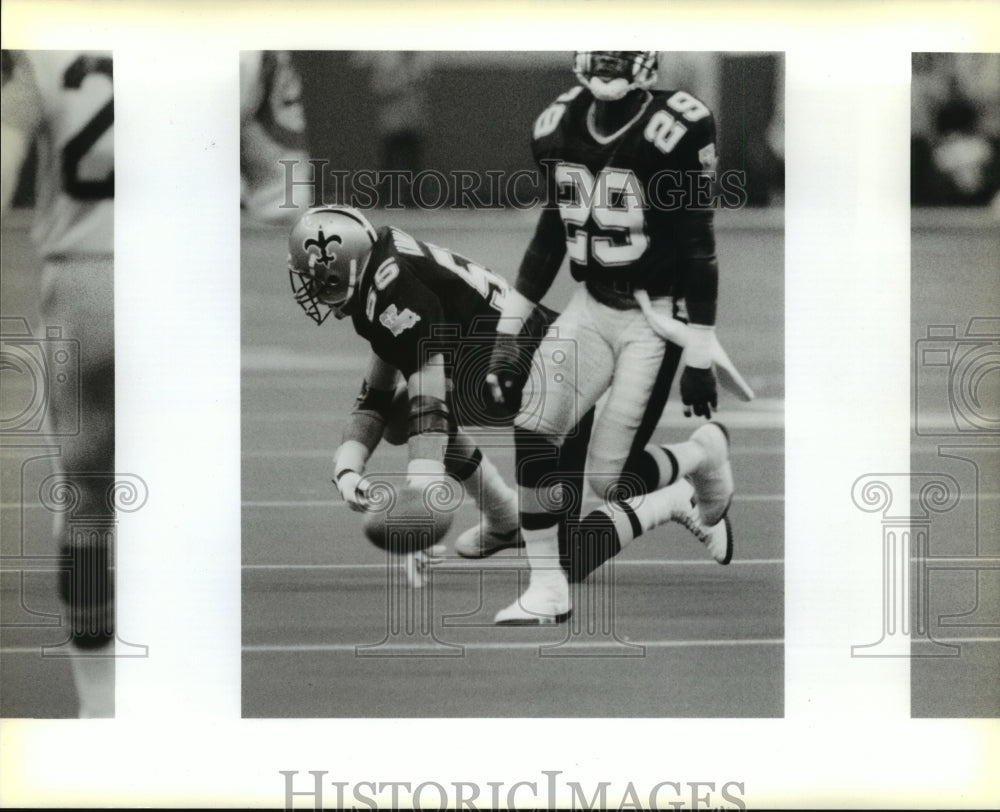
<point>321,242</point>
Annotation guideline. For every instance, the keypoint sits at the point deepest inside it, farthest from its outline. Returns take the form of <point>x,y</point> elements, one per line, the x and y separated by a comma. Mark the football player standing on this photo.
<point>624,165</point>
<point>272,131</point>
<point>63,102</point>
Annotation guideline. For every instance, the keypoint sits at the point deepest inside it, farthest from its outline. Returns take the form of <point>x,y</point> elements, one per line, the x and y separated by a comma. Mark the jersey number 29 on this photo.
<point>613,203</point>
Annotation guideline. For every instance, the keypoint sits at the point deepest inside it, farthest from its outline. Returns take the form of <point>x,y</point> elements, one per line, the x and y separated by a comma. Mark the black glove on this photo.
<point>698,391</point>
<point>507,373</point>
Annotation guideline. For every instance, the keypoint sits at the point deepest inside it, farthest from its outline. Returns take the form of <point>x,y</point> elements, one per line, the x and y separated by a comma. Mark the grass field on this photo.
<point>329,630</point>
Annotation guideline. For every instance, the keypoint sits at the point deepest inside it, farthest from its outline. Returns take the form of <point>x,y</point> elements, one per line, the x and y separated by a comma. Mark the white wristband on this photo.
<point>351,456</point>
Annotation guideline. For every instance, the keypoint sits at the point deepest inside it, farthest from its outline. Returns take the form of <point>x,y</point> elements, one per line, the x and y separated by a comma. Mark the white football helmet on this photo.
<point>328,249</point>
<point>610,75</point>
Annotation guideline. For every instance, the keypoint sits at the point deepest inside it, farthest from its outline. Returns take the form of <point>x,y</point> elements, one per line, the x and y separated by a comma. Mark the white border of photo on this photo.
<point>847,738</point>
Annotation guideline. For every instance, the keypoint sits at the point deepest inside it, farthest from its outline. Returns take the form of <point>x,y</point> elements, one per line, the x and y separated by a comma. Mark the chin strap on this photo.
<point>679,333</point>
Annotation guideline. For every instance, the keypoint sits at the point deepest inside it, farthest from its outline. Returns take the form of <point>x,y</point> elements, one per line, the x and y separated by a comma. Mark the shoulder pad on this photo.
<point>549,119</point>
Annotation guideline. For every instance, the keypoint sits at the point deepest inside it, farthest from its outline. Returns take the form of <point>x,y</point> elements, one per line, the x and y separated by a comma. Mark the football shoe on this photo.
<point>545,602</point>
<point>482,540</point>
<point>713,478</point>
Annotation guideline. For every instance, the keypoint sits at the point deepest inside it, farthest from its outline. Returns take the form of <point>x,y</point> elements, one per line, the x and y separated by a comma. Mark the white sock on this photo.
<point>650,510</point>
<point>494,498</point>
<point>542,547</point>
<point>94,678</point>
<point>689,456</point>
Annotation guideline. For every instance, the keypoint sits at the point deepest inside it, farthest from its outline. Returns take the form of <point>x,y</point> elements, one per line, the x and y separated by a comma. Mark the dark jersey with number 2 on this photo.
<point>629,201</point>
<point>416,299</point>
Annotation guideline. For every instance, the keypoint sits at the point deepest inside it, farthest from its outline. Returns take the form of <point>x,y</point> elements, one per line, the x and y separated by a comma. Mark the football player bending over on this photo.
<point>431,317</point>
<point>646,255</point>
<point>416,304</point>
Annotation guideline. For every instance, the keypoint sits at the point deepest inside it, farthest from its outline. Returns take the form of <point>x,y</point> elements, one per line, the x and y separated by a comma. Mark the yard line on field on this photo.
<point>499,563</point>
<point>318,453</point>
<point>515,644</point>
<point>335,503</point>
<point>739,497</point>
<point>737,419</point>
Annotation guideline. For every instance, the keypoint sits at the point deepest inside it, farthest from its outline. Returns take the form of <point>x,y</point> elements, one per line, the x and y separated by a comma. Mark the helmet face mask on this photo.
<point>328,249</point>
<point>611,75</point>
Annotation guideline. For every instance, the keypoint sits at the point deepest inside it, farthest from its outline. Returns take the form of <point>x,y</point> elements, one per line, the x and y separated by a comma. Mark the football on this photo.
<point>408,523</point>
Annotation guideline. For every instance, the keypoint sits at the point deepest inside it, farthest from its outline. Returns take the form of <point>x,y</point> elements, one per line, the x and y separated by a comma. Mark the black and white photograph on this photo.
<point>59,489</point>
<point>483,352</point>
<point>954,543</point>
<point>408,405</point>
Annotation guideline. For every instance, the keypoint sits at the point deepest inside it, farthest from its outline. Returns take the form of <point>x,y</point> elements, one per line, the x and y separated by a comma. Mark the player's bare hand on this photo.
<point>353,490</point>
<point>699,393</point>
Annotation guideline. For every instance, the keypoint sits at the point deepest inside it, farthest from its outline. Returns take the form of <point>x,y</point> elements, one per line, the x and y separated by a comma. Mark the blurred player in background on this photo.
<point>63,102</point>
<point>399,82</point>
<point>645,261</point>
<point>272,129</point>
<point>955,142</point>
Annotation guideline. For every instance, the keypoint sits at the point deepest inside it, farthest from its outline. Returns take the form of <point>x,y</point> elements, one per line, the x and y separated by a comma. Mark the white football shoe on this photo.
<point>545,602</point>
<point>718,539</point>
<point>482,541</point>
<point>713,479</point>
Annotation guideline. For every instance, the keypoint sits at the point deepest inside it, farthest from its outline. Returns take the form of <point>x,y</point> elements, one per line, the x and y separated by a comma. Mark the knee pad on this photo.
<point>86,589</point>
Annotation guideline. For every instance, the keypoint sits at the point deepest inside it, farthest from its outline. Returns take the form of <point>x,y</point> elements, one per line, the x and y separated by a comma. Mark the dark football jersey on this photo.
<point>417,300</point>
<point>623,197</point>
